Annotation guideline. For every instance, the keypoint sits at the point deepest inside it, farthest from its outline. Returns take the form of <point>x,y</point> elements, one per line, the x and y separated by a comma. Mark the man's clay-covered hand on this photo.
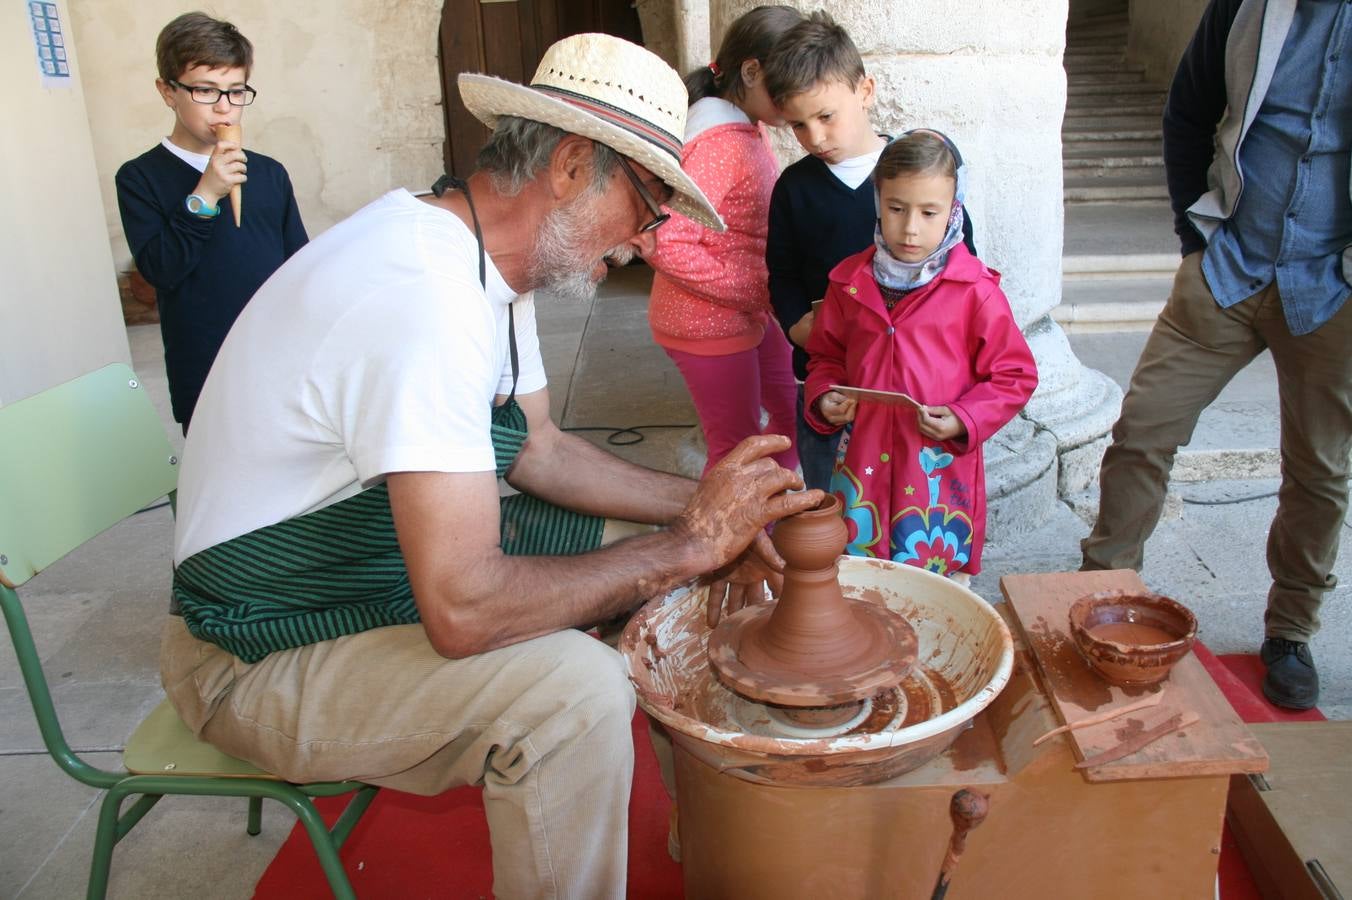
<point>742,581</point>
<point>737,498</point>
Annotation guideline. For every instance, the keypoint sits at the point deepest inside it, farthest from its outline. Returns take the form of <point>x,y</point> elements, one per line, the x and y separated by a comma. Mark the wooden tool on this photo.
<point>236,134</point>
<point>1144,703</point>
<point>967,809</point>
<point>1175,722</point>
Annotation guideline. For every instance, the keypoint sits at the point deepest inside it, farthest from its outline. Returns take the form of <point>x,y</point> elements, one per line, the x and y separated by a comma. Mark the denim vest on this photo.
<point>1294,225</point>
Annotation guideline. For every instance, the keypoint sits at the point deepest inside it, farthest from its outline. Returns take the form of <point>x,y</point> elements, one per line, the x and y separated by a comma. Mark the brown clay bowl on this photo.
<point>1131,638</point>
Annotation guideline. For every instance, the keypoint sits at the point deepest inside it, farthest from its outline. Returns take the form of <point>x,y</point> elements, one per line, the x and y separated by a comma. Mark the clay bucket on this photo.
<point>1131,639</point>
<point>964,645</point>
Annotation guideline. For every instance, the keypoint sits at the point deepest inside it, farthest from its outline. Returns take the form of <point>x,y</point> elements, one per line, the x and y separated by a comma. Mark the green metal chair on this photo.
<point>74,461</point>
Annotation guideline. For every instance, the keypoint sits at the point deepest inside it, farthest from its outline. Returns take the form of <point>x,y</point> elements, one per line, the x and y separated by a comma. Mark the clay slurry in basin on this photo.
<point>814,653</point>
<point>965,657</point>
<point>1131,639</point>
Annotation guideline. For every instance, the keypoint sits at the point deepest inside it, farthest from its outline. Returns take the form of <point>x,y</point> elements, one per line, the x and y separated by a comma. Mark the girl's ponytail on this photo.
<point>752,36</point>
<point>701,83</point>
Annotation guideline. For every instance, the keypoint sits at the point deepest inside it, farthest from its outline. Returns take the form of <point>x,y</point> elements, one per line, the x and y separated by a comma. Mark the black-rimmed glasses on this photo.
<point>658,216</point>
<point>209,95</point>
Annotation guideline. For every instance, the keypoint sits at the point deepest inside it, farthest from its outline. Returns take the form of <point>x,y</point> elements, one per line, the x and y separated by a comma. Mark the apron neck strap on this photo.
<point>450,182</point>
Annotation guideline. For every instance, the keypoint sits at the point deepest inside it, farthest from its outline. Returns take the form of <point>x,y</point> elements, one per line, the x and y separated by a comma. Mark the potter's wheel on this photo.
<point>965,656</point>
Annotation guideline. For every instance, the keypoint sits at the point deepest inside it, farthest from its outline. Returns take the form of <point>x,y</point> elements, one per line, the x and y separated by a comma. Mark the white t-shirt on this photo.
<point>197,160</point>
<point>372,350</point>
<point>856,170</point>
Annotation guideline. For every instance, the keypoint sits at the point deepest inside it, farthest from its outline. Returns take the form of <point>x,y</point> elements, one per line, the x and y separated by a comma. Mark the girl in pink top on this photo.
<point>919,315</point>
<point>710,302</point>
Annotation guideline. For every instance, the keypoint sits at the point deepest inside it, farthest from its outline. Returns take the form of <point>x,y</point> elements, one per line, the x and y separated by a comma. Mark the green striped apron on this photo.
<point>339,570</point>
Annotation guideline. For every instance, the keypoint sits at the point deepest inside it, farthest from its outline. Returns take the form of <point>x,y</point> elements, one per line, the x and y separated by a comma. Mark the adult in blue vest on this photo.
<point>1257,133</point>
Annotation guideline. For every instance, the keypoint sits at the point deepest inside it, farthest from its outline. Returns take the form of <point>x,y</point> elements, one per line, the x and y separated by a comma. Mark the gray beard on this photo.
<point>557,265</point>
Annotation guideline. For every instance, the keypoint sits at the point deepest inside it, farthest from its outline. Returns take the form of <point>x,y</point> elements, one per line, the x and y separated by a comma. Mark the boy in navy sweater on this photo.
<point>822,208</point>
<point>181,231</point>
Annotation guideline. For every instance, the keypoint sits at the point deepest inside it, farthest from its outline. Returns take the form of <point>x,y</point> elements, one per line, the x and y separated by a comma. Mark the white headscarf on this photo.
<point>898,274</point>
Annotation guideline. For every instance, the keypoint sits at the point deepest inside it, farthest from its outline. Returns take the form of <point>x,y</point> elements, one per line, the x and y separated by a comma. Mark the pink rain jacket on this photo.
<point>711,291</point>
<point>953,342</point>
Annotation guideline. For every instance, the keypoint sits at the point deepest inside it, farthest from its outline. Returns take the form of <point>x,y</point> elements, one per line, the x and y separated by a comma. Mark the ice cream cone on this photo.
<point>236,134</point>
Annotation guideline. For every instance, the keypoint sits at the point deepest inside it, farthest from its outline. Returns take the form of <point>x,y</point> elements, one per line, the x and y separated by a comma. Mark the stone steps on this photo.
<point>1111,135</point>
<point>1127,303</point>
<point>1114,76</point>
<point>1118,265</point>
<point>1076,128</point>
<point>1119,170</point>
<point>1132,97</point>
<point>1076,112</point>
<point>1112,132</point>
<point>1091,64</point>
<point>1105,149</point>
<point>1110,92</point>
<point>1108,190</point>
<point>1120,252</point>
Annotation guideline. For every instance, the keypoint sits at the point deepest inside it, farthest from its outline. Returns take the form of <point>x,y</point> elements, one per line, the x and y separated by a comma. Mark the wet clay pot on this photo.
<point>813,647</point>
<point>1132,639</point>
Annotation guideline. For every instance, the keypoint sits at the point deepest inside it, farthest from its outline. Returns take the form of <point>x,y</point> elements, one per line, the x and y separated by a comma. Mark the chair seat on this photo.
<point>163,745</point>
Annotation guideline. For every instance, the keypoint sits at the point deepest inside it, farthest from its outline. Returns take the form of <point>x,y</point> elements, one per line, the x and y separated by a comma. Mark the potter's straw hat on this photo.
<point>607,89</point>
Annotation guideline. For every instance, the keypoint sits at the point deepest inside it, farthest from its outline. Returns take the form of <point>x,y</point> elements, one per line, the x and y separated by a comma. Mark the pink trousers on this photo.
<point>730,391</point>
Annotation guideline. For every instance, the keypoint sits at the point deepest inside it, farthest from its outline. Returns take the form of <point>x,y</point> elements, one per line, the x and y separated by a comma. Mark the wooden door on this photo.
<point>506,38</point>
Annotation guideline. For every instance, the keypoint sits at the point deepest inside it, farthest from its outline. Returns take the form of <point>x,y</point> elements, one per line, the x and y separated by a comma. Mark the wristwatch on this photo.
<point>199,207</point>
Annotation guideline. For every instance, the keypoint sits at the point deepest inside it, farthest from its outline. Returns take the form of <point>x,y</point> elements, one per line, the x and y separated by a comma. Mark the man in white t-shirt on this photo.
<point>348,610</point>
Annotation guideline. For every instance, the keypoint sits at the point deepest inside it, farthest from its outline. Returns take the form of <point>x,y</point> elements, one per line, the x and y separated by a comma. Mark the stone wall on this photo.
<point>1159,33</point>
<point>349,95</point>
<point>677,31</point>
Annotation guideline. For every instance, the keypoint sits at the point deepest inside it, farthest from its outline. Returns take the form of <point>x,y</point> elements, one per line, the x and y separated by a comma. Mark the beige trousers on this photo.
<point>1196,347</point>
<point>543,725</point>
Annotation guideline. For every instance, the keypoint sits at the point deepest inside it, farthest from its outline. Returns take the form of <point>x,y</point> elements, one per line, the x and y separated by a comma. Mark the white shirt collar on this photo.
<point>197,160</point>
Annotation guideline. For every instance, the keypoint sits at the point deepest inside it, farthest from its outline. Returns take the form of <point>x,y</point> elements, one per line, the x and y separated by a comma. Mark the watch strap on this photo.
<point>198,206</point>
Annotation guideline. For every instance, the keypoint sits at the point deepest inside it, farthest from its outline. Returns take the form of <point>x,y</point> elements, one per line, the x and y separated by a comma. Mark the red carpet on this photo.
<point>410,847</point>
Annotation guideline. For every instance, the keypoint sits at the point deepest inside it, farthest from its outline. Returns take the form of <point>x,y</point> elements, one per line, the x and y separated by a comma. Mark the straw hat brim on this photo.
<point>488,98</point>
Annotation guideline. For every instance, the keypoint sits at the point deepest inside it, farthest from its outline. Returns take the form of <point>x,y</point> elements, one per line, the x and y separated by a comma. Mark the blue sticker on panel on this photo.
<point>48,35</point>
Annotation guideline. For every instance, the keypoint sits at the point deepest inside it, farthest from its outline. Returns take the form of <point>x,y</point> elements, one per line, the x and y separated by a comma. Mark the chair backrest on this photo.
<point>75,460</point>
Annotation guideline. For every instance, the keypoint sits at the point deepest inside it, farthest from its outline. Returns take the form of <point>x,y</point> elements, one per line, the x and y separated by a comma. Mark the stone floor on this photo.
<point>96,614</point>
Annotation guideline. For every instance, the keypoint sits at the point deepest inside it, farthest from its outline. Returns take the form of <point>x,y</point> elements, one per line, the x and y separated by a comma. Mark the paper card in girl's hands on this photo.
<point>868,395</point>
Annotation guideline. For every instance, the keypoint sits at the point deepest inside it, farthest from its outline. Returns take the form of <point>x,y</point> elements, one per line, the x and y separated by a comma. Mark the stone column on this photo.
<point>677,31</point>
<point>989,74</point>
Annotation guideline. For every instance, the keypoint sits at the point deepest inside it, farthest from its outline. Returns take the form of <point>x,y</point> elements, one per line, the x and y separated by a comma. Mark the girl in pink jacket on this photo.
<point>916,314</point>
<point>710,302</point>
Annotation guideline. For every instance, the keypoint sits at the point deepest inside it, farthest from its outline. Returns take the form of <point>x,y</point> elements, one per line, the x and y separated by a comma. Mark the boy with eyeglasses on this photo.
<point>174,202</point>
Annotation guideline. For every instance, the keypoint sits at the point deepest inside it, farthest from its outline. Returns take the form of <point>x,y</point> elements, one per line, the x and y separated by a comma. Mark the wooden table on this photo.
<point>1217,744</point>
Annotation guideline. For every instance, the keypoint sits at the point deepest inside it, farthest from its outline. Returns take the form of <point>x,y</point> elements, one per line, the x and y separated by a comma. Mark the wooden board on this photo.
<point>1218,744</point>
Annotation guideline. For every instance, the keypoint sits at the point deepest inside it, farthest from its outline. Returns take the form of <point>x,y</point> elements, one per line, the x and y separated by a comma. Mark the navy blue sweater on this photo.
<point>203,270</point>
<point>1195,106</point>
<point>816,221</point>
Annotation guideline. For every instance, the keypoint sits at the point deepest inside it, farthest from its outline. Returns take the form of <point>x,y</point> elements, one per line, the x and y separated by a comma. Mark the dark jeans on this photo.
<point>816,451</point>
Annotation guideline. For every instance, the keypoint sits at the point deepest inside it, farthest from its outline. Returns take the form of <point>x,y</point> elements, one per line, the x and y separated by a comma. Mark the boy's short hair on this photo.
<point>196,39</point>
<point>814,52</point>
